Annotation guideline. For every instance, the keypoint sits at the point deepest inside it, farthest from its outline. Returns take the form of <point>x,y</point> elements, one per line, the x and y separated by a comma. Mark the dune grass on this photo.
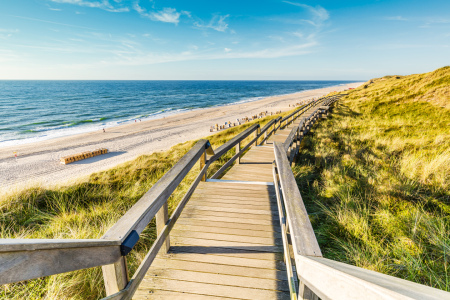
<point>89,209</point>
<point>375,178</point>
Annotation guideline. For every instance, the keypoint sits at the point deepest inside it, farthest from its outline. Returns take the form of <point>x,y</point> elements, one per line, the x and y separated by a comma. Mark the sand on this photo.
<point>38,163</point>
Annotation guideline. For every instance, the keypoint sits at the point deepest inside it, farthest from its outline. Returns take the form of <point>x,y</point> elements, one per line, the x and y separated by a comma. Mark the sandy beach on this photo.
<point>38,163</point>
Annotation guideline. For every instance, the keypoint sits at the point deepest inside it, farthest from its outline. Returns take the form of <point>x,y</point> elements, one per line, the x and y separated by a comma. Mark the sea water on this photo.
<point>38,110</point>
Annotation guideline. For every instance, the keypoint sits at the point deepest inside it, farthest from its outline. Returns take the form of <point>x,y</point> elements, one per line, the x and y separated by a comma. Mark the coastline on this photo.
<point>38,163</point>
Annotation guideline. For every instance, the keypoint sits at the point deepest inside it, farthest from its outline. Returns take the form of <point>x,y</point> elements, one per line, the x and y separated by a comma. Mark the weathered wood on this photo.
<point>162,217</point>
<point>29,264</point>
<point>231,143</point>
<point>133,284</point>
<point>220,279</point>
<point>115,276</point>
<point>330,279</point>
<point>225,269</point>
<point>287,254</point>
<point>202,164</point>
<point>304,241</point>
<point>146,208</point>
<point>11,245</point>
<point>216,289</point>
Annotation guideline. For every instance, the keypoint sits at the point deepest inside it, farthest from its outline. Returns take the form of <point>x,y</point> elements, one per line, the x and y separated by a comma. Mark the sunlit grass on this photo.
<point>376,177</point>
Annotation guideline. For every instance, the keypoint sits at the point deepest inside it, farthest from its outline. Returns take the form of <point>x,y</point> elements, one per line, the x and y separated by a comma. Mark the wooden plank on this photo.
<point>229,252</point>
<point>226,244</point>
<point>24,265</point>
<point>155,294</point>
<point>229,219</point>
<point>176,264</point>
<point>219,279</point>
<point>226,237</point>
<point>11,245</point>
<point>256,200</point>
<point>245,204</point>
<point>215,185</point>
<point>232,231</point>
<point>235,210</point>
<point>268,229</point>
<point>303,238</point>
<point>236,188</point>
<point>234,192</point>
<point>214,289</point>
<point>249,177</point>
<point>190,210</point>
<point>229,260</point>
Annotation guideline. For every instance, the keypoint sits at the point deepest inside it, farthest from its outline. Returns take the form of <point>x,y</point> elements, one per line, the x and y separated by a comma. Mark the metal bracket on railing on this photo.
<point>129,243</point>
<point>209,149</point>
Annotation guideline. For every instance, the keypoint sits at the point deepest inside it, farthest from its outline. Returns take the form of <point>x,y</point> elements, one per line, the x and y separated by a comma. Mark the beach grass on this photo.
<point>88,209</point>
<point>375,178</point>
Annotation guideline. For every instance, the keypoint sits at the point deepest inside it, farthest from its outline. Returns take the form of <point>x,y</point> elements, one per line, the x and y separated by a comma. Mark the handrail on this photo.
<point>302,234</point>
<point>33,258</point>
<point>235,142</point>
<point>318,276</point>
<point>231,143</point>
<point>143,211</point>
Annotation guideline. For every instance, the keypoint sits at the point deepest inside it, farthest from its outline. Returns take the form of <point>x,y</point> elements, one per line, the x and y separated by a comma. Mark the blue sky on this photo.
<point>266,39</point>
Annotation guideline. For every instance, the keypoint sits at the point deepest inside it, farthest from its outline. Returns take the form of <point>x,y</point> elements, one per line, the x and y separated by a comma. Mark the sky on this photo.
<point>221,40</point>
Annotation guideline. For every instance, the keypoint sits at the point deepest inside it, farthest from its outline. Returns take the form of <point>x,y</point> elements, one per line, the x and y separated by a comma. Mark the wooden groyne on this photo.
<point>82,155</point>
<point>241,233</point>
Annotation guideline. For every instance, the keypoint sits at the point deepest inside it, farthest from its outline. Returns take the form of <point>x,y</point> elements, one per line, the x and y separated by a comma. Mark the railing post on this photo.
<point>238,150</point>
<point>305,293</point>
<point>202,164</point>
<point>257,132</point>
<point>162,217</point>
<point>115,276</point>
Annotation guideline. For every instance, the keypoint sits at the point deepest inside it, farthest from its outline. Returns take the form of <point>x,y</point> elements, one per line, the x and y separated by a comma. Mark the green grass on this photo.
<point>89,209</point>
<point>375,178</point>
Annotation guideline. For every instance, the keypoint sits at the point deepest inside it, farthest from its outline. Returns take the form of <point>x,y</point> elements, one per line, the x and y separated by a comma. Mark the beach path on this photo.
<point>227,242</point>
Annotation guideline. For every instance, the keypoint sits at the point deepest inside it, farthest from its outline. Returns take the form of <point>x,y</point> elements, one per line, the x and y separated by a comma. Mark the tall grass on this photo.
<point>89,209</point>
<point>376,175</point>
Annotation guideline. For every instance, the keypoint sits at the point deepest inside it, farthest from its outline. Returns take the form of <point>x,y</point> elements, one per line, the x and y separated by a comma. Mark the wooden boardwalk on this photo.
<point>245,235</point>
<point>227,241</point>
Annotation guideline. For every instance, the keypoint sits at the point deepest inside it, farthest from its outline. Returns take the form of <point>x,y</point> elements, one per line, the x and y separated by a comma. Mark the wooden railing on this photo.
<point>24,259</point>
<point>310,275</point>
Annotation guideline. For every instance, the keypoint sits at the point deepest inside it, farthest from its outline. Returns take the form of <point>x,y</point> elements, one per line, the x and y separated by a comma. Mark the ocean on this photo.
<point>38,110</point>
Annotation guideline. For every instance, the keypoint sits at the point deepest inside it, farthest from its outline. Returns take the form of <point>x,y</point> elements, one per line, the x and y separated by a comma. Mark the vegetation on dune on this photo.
<point>89,209</point>
<point>375,178</point>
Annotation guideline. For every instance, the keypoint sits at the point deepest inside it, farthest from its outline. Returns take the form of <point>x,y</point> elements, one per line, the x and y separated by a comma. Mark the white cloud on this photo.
<point>216,23</point>
<point>104,4</point>
<point>319,13</point>
<point>227,50</point>
<point>168,15</point>
<point>298,34</point>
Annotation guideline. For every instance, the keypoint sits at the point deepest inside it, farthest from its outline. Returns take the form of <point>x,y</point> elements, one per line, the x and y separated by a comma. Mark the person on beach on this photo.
<point>104,130</point>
